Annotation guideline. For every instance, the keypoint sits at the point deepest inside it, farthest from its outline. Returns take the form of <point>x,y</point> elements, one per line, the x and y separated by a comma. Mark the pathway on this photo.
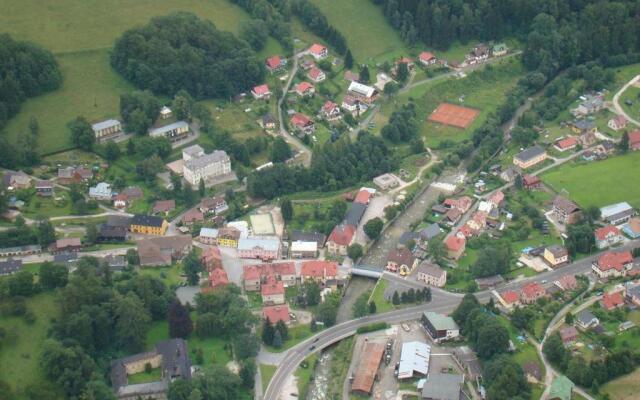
<point>616,101</point>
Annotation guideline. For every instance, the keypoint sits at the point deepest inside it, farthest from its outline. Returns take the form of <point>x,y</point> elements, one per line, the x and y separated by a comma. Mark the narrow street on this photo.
<point>616,101</point>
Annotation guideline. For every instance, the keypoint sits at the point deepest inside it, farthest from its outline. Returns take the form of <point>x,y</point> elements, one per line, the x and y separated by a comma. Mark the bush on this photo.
<point>372,327</point>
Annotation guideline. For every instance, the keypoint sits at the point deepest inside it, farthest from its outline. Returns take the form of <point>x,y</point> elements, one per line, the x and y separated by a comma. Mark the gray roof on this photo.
<point>142,389</point>
<point>193,150</point>
<point>583,124</point>
<point>266,243</point>
<point>407,236</point>
<point>430,232</point>
<point>615,209</point>
<point>118,220</point>
<point>430,269</point>
<point>164,129</point>
<point>98,126</point>
<point>207,159</point>
<point>355,213</point>
<point>441,322</point>
<point>530,153</point>
<point>442,386</point>
<point>307,237</point>
<point>10,266</point>
<point>585,317</point>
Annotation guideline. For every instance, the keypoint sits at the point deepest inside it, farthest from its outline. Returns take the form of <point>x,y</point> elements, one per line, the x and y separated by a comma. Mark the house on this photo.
<point>330,111</point>
<point>206,167</point>
<point>261,247</point>
<point>148,224</point>
<point>463,204</point>
<point>163,251</point>
<point>442,386</point>
<point>567,282</point>
<point>302,123</point>
<point>208,236</point>
<point>307,64</point>
<point>632,228</point>
<point>585,319</point>
<point>439,326</point>
<point>353,105</point>
<point>531,182</point>
<point>133,193</point>
<point>165,112</point>
<point>497,198</point>
<point>340,238</point>
<point>556,255</point>
<point>426,58</point>
<point>272,292</point>
<point>106,130</point>
<point>120,201</point>
<point>269,122</point>
<point>363,93</point>
<point>101,191</point>
<point>634,140</point>
<point>633,293</point>
<point>228,236</point>
<point>318,51</point>
<point>170,356</point>
<point>44,188</point>
<point>587,139</point>
<point>319,271</point>
<point>276,313</point>
<point>351,76</point>
<point>366,370</point>
<point>566,211</point>
<point>611,301</point>
<point>218,278</point>
<point>20,250</point>
<point>568,334</point>
<point>192,216</point>
<point>508,175</point>
<point>590,104</point>
<point>255,275</point>
<point>430,232</point>
<point>499,49</point>
<point>112,233</point>
<point>71,175</point>
<point>583,126</point>
<point>478,54</point>
<point>316,75</point>
<point>530,157</point>
<point>275,64</point>
<point>531,292</point>
<point>607,236</point>
<point>215,205</point>
<point>10,266</point>
<point>612,264</point>
<point>509,299</point>
<point>300,249</point>
<point>163,206</point>
<point>16,180</point>
<point>401,260</point>
<point>261,92</point>
<point>300,236</point>
<point>66,245</point>
<point>174,132</point>
<point>305,89</point>
<point>431,274</point>
<point>567,143</point>
<point>617,214</point>
<point>561,389</point>
<point>477,222</point>
<point>455,246</point>
<point>211,258</point>
<point>617,123</point>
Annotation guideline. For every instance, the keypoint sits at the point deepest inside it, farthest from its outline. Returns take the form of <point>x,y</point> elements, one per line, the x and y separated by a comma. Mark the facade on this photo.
<point>608,236</point>
<point>303,124</point>
<point>316,75</point>
<point>367,369</point>
<point>617,214</point>
<point>431,274</point>
<point>330,111</point>
<point>174,132</point>
<point>613,264</point>
<point>556,255</point>
<point>211,258</point>
<point>530,157</point>
<point>583,126</point>
<point>106,130</point>
<point>509,299</point>
<point>401,260</point>
<point>228,236</point>
<point>208,236</point>
<point>275,63</point>
<point>148,224</point>
<point>340,239</point>
<point>617,123</point>
<point>567,143</point>
<point>272,292</point>
<point>163,206</point>
<point>206,166</point>
<point>112,233</point>
<point>585,319</point>
<point>634,140</point>
<point>16,180</point>
<point>165,112</point>
<point>67,245</point>
<point>192,216</point>
<point>632,228</point>
<point>264,248</point>
<point>439,326</point>
<point>569,335</point>
<point>305,89</point>
<point>44,188</point>
<point>566,211</point>
<point>216,204</point>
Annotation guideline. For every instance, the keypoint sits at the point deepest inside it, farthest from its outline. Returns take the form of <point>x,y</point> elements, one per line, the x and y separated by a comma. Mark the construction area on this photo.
<point>453,115</point>
<point>403,361</point>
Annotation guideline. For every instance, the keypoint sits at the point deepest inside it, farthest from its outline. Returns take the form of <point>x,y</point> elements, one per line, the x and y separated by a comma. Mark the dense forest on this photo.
<point>334,166</point>
<point>181,51</point>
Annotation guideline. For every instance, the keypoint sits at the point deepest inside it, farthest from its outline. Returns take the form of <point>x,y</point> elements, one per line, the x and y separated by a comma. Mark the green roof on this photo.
<point>499,47</point>
<point>441,322</point>
<point>561,388</point>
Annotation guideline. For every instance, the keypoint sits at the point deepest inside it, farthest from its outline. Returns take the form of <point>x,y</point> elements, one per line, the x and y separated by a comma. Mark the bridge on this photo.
<point>367,271</point>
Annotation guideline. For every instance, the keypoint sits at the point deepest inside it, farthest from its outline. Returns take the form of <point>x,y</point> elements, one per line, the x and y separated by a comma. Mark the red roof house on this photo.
<point>164,206</point>
<point>568,334</point>
<point>531,182</point>
<point>276,313</point>
<point>261,92</point>
<point>192,216</point>
<point>330,110</point>
<point>340,238</point>
<point>510,298</point>
<point>612,264</point>
<point>567,143</point>
<point>316,75</point>
<point>455,246</point>
<point>318,270</point>
<point>607,235</point>
<point>497,198</point>
<point>427,58</point>
<point>305,89</point>
<point>318,51</point>
<point>274,63</point>
<point>363,197</point>
<point>532,292</point>
<point>634,140</point>
<point>218,277</point>
<point>302,123</point>
<point>611,301</point>
<point>567,282</point>
<point>211,258</point>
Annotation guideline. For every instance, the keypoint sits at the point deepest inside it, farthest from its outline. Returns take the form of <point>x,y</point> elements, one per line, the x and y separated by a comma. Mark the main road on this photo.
<point>442,302</point>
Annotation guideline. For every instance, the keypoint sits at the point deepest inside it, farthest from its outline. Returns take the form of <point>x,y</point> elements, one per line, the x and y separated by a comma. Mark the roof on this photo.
<point>363,90</point>
<point>510,297</point>
<point>440,322</point>
<point>614,260</point>
<point>342,234</point>
<point>612,300</point>
<point>133,192</point>
<point>251,272</point>
<point>454,243</point>
<point>261,89</point>
<point>68,242</point>
<point>300,119</point>
<point>164,206</point>
<point>193,151</point>
<point>272,287</point>
<point>276,313</point>
<point>583,124</point>
<point>532,368</point>
<point>568,333</point>
<point>426,56</point>
<point>147,220</point>
<point>362,197</point>
<point>401,256</point>
<point>268,243</point>
<point>209,232</point>
<point>159,250</point>
<point>634,137</point>
<point>167,128</point>
<point>585,317</point>
<point>430,269</point>
<point>193,215</point>
<point>561,388</point>
<point>317,48</point>
<point>10,266</point>
<point>218,277</point>
<point>613,209</point>
<point>414,357</point>
<point>565,205</point>
<point>308,236</point>
<point>604,232</point>
<point>354,213</point>
<point>299,245</point>
<point>533,290</point>
<point>529,180</point>
<point>118,220</point>
<point>303,87</point>
<point>43,184</point>
<point>206,160</point>
<point>98,126</point>
<point>367,369</point>
<point>273,62</point>
<point>329,106</point>
<point>557,250</point>
<point>567,143</point>
<point>430,232</point>
<point>442,386</point>
<point>567,282</point>
<point>633,225</point>
<point>319,268</point>
<point>315,73</point>
<point>530,153</point>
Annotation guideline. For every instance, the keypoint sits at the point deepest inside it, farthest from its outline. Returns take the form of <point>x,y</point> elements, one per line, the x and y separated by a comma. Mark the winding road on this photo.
<point>616,101</point>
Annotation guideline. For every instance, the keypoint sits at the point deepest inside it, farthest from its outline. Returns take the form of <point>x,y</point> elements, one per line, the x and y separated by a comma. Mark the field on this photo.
<point>80,33</point>
<point>592,184</point>
<point>369,35</point>
<point>623,388</point>
<point>266,373</point>
<point>24,343</point>
<point>453,115</point>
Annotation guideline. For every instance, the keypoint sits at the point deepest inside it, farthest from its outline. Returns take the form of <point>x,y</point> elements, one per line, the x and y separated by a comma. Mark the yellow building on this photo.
<point>148,225</point>
<point>556,255</point>
<point>228,237</point>
<point>530,157</point>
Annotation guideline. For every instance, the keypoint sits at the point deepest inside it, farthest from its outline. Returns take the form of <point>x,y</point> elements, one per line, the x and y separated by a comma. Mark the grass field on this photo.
<point>369,35</point>
<point>266,373</point>
<point>599,183</point>
<point>24,343</point>
<point>623,388</point>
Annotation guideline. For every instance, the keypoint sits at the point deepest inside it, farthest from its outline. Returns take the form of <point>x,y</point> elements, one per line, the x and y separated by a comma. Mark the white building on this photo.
<point>618,213</point>
<point>205,166</point>
<point>362,92</point>
<point>300,249</point>
<point>174,132</point>
<point>101,191</point>
<point>106,130</point>
<point>208,236</point>
<point>165,112</point>
<point>264,248</point>
<point>414,358</point>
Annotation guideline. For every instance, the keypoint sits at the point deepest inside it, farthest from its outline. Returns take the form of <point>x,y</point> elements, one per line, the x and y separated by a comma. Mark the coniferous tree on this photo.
<point>180,325</point>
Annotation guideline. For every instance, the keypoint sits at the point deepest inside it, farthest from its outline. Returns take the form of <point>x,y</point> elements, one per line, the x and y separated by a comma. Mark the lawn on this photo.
<point>377,296</point>
<point>143,377</point>
<point>170,275</point>
<point>599,183</point>
<point>24,343</point>
<point>266,373</point>
<point>632,94</point>
<point>371,38</point>
<point>624,388</point>
<point>297,334</point>
<point>305,374</point>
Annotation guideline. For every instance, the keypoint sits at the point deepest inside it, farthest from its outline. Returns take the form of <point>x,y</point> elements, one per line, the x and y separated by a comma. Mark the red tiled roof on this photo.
<point>497,197</point>
<point>529,180</point>
<point>401,256</point>
<point>454,243</point>
<point>303,87</point>
<point>315,73</point>
<point>616,260</point>
<point>362,197</point>
<point>211,253</point>
<point>533,290</point>
<point>365,373</point>
<point>251,272</point>
<point>273,62</point>
<point>329,106</point>
<point>466,231</point>
<point>602,233</point>
<point>300,119</point>
<point>426,56</point>
<point>276,313</point>
<point>317,48</point>
<point>319,269</point>
<point>568,282</point>
<point>634,138</point>
<point>342,234</point>
<point>611,301</point>
<point>567,142</point>
<point>164,206</point>
<point>218,277</point>
<point>510,297</point>
<point>272,287</point>
<point>261,89</point>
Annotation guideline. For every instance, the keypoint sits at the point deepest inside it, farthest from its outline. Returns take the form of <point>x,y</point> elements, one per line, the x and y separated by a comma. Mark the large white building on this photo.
<point>414,359</point>
<point>198,165</point>
<point>174,132</point>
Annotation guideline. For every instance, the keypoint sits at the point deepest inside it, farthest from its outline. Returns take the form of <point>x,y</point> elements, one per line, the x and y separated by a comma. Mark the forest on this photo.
<point>181,51</point>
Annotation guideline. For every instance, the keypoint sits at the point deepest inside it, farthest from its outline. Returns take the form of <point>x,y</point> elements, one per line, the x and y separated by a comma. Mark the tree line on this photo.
<point>180,51</point>
<point>268,16</point>
<point>311,16</point>
<point>334,166</point>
